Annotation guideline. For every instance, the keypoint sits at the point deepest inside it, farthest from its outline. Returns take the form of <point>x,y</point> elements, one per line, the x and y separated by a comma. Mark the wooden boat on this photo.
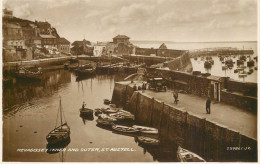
<point>105,122</point>
<point>224,67</point>
<point>60,133</point>
<point>86,111</point>
<point>122,116</point>
<point>85,72</point>
<point>124,129</point>
<point>184,155</point>
<point>25,74</point>
<point>98,111</point>
<point>106,117</point>
<point>207,64</point>
<point>106,101</point>
<point>145,129</point>
<point>148,141</point>
<point>242,74</point>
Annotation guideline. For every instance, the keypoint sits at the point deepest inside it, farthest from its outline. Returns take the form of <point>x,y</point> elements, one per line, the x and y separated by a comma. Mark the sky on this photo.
<point>163,20</point>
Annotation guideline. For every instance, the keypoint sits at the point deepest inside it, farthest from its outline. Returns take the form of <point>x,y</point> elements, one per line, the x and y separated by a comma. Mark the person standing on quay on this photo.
<point>175,95</point>
<point>208,105</point>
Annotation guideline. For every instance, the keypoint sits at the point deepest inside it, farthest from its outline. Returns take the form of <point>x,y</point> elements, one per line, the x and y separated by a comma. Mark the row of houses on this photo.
<point>120,45</point>
<point>21,36</point>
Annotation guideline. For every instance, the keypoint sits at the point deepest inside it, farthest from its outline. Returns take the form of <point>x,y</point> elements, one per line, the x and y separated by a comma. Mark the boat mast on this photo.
<point>60,114</point>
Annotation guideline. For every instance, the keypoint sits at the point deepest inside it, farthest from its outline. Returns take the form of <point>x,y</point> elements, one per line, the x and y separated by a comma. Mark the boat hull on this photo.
<point>58,135</point>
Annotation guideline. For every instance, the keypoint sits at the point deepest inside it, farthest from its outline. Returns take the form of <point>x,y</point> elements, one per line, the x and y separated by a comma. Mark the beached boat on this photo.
<point>60,133</point>
<point>125,129</point>
<point>145,129</point>
<point>105,122</point>
<point>148,141</point>
<point>184,155</point>
<point>106,117</point>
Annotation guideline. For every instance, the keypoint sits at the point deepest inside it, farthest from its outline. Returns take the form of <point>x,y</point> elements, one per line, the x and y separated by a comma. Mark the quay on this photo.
<point>57,62</point>
<point>187,123</point>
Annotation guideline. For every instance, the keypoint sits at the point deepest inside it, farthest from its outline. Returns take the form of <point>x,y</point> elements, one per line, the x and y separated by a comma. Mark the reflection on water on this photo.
<point>32,107</point>
<point>30,111</point>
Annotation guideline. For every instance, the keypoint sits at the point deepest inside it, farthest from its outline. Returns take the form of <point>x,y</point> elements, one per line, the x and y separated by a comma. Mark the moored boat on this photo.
<point>86,111</point>
<point>105,122</point>
<point>26,74</point>
<point>60,133</point>
<point>148,141</point>
<point>184,155</point>
<point>125,129</point>
<point>106,101</point>
<point>145,129</point>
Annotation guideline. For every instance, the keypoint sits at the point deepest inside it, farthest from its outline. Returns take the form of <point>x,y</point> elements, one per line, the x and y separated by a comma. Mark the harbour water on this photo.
<point>30,112</point>
<point>217,67</point>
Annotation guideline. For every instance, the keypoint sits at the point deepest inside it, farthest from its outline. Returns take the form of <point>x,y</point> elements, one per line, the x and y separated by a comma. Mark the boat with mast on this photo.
<point>60,133</point>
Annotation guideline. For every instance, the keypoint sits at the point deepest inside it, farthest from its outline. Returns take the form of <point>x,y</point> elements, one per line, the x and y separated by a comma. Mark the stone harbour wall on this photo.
<point>239,94</point>
<point>183,128</point>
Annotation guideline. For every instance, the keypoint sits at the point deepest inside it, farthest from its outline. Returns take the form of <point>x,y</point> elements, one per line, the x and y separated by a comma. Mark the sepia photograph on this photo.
<point>129,80</point>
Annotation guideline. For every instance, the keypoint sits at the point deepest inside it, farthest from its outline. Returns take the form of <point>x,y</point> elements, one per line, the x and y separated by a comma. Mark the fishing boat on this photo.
<point>60,133</point>
<point>250,63</point>
<point>105,122</point>
<point>125,129</point>
<point>145,129</point>
<point>106,117</point>
<point>207,64</point>
<point>184,155</point>
<point>242,74</point>
<point>98,111</point>
<point>106,101</point>
<point>85,111</point>
<point>85,72</point>
<point>224,67</point>
<point>148,141</point>
<point>27,74</point>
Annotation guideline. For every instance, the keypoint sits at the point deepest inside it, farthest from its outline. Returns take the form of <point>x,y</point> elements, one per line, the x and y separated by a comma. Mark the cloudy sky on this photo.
<point>164,20</point>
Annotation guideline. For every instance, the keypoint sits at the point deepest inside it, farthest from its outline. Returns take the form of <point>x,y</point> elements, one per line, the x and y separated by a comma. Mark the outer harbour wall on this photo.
<point>39,63</point>
<point>178,127</point>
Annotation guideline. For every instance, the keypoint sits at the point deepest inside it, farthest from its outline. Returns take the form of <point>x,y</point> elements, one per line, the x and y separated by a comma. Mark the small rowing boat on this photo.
<point>184,155</point>
<point>104,122</point>
<point>86,111</point>
<point>145,129</point>
<point>124,129</point>
<point>148,141</point>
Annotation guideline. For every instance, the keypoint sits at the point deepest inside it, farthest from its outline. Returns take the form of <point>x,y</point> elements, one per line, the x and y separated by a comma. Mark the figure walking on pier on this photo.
<point>208,105</point>
<point>175,95</point>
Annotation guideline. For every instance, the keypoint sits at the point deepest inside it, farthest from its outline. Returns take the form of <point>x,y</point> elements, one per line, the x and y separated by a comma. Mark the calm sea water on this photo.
<point>30,112</point>
<point>217,67</point>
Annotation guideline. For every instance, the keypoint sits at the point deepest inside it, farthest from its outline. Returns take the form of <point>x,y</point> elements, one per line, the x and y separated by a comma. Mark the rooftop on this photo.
<point>63,41</point>
<point>121,37</point>
<point>47,36</point>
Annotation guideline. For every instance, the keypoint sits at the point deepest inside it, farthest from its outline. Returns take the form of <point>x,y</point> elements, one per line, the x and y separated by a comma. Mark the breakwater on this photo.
<point>209,139</point>
<point>159,52</point>
<point>220,52</point>
<point>7,66</point>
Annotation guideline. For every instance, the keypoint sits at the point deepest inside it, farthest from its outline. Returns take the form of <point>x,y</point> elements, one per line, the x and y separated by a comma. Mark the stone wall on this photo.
<point>38,63</point>
<point>176,126</point>
<point>159,52</point>
<point>181,63</point>
<point>239,94</point>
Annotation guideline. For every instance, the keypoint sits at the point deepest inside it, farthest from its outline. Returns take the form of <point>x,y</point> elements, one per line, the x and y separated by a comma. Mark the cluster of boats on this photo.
<point>34,73</point>
<point>113,118</point>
